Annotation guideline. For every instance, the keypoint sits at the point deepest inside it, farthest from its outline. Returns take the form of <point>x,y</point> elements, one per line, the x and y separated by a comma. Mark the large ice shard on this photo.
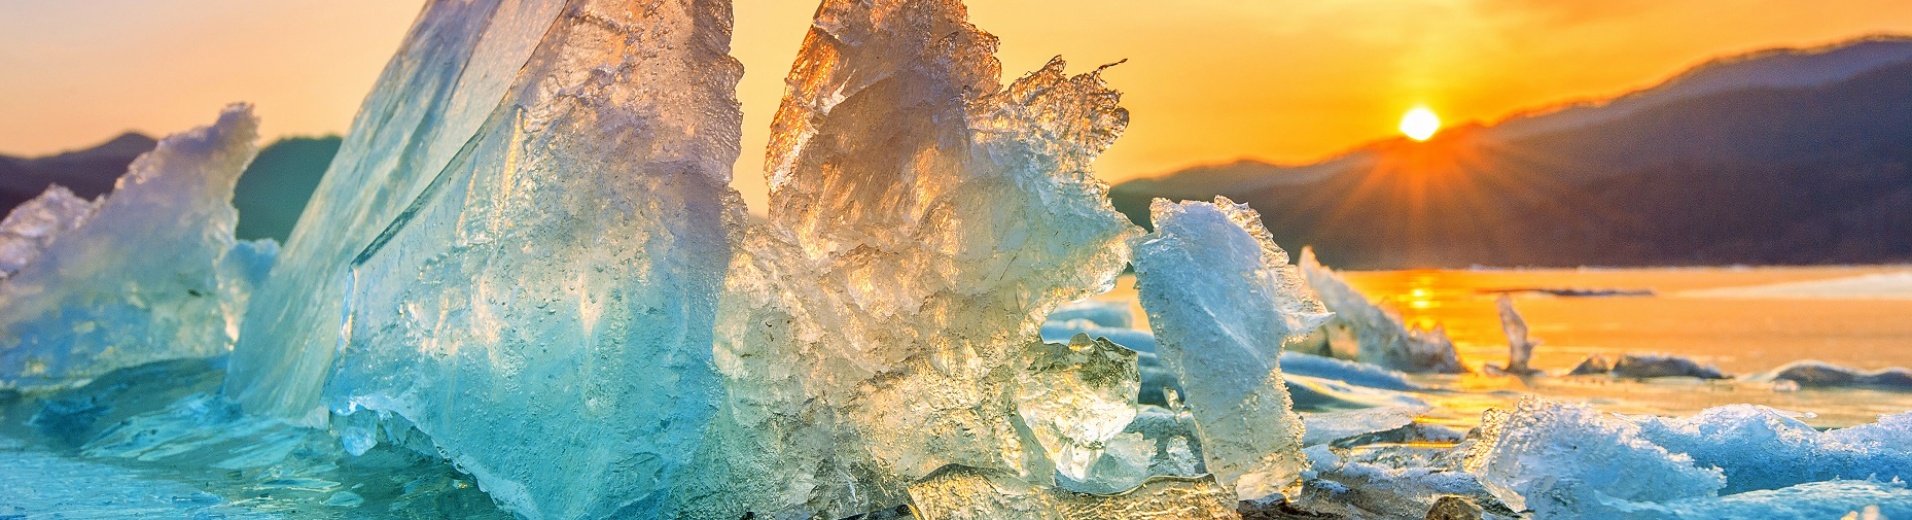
<point>1223,300</point>
<point>1383,339</point>
<point>444,83</point>
<point>150,273</point>
<point>540,302</point>
<point>923,221</point>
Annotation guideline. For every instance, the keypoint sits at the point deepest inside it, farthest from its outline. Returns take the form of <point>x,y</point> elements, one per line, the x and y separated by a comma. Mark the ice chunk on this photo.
<point>1383,339</point>
<point>1826,375</point>
<point>543,307</point>
<point>960,493</point>
<point>1075,398</point>
<point>1223,300</point>
<point>150,273</point>
<point>1644,366</point>
<point>1569,460</point>
<point>1565,461</point>
<point>33,225</point>
<point>444,83</point>
<point>1520,348</point>
<point>924,219</point>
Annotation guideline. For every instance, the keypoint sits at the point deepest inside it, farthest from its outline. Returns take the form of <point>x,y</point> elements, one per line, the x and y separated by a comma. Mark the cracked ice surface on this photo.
<point>1223,301</point>
<point>923,221</point>
<point>1383,339</point>
<point>105,285</point>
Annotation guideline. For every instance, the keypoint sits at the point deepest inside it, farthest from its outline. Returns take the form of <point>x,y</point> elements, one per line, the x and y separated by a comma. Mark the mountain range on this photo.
<point>1786,156</point>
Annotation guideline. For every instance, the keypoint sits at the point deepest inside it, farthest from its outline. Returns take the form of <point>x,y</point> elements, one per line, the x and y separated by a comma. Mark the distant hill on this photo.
<point>274,190</point>
<point>269,196</point>
<point>1779,157</point>
<point>88,172</point>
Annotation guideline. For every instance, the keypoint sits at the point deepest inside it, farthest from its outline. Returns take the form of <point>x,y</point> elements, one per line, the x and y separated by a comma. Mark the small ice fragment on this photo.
<point>1520,348</point>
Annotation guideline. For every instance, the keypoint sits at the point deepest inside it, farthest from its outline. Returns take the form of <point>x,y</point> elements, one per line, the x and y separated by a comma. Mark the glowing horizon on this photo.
<point>1206,82</point>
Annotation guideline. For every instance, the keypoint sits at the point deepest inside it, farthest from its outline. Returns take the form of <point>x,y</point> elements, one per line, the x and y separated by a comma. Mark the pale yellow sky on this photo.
<point>1206,81</point>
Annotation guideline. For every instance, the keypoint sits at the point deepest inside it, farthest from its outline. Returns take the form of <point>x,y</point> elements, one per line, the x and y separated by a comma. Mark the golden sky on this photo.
<point>1206,81</point>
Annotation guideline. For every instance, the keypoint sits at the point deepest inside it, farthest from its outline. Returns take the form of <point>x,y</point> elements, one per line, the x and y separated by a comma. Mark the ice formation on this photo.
<point>1382,338</point>
<point>532,286</point>
<point>923,221</point>
<point>1520,348</point>
<point>1561,461</point>
<point>97,286</point>
<point>1569,461</point>
<point>1223,300</point>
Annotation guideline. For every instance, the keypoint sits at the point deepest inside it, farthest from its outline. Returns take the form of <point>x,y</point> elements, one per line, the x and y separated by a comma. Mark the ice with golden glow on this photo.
<point>924,219</point>
<point>1381,337</point>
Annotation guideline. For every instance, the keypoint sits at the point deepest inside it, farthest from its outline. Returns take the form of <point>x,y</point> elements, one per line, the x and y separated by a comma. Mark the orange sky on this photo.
<point>1207,80</point>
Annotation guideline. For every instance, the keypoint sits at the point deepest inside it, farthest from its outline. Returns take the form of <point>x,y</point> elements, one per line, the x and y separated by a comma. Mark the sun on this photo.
<point>1420,123</point>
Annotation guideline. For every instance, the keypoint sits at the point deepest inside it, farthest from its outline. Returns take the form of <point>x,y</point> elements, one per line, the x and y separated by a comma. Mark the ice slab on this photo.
<point>1382,338</point>
<point>1223,300</point>
<point>148,274</point>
